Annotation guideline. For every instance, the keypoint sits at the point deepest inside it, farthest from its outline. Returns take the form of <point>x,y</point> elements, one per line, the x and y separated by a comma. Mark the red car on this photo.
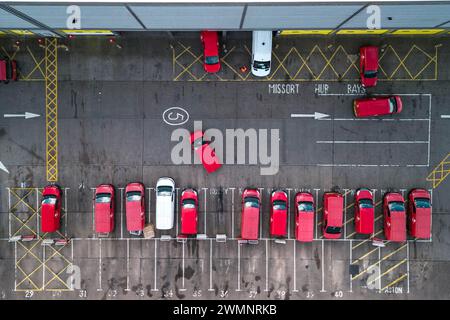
<point>304,217</point>
<point>51,209</point>
<point>207,155</point>
<point>394,217</point>
<point>189,212</point>
<point>278,213</point>
<point>333,212</point>
<point>377,106</point>
<point>251,207</point>
<point>210,42</point>
<point>368,65</point>
<point>8,70</point>
<point>364,211</point>
<point>135,208</point>
<point>419,218</point>
<point>104,208</point>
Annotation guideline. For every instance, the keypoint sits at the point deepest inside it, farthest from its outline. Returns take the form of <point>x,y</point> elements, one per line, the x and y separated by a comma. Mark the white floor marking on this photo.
<point>66,211</point>
<point>204,212</point>
<point>351,259</point>
<point>345,213</point>
<point>288,214</point>
<point>93,211</point>
<point>315,209</point>
<point>429,130</point>
<point>210,266</point>
<point>371,142</point>
<point>182,265</point>
<point>37,213</point>
<point>232,212</point>
<point>121,213</point>
<point>323,271</point>
<point>295,267</point>
<point>239,267</point>
<point>379,271</point>
<point>378,119</point>
<point>155,282</point>
<point>9,209</point>
<point>407,266</point>
<point>445,116</point>
<point>176,209</point>
<point>128,266</point>
<point>267,267</point>
<point>15,266</point>
<point>100,266</point>
<point>261,191</point>
<point>43,267</point>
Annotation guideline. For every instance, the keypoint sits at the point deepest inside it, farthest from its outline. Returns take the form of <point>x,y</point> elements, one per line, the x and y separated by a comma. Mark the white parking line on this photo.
<point>345,212</point>
<point>407,266</point>
<point>323,271</point>
<point>429,130</point>
<point>315,208</point>
<point>371,142</point>
<point>431,222</point>
<point>359,119</point>
<point>176,209</point>
<point>182,266</point>
<point>128,266</point>
<point>66,212</point>
<point>204,212</point>
<point>232,212</point>
<point>121,213</point>
<point>43,267</point>
<point>351,259</point>
<point>37,213</point>
<point>93,211</point>
<point>267,267</point>
<point>210,266</point>
<point>260,218</point>
<point>15,265</point>
<point>9,209</point>
<point>100,266</point>
<point>239,267</point>
<point>295,268</point>
<point>156,246</point>
<point>289,213</point>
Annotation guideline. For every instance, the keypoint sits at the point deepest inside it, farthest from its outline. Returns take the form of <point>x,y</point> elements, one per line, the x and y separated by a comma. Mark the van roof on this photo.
<point>262,42</point>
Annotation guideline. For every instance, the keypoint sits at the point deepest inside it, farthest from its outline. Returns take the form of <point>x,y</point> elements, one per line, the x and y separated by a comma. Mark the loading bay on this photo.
<point>110,129</point>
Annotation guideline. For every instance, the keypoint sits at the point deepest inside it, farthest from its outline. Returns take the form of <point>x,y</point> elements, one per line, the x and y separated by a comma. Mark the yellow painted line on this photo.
<point>440,172</point>
<point>370,239</point>
<point>88,32</point>
<point>417,31</point>
<point>387,271</point>
<point>351,235</point>
<point>395,281</point>
<point>304,32</point>
<point>365,255</point>
<point>51,108</point>
<point>378,262</point>
<point>361,31</point>
<point>20,32</point>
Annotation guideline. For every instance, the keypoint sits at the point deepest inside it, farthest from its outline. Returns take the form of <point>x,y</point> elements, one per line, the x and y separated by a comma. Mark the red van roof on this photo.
<point>102,218</point>
<point>189,221</point>
<point>135,221</point>
<point>398,226</point>
<point>423,223</point>
<point>334,204</point>
<point>305,229</point>
<point>250,223</point>
<point>278,225</point>
<point>49,223</point>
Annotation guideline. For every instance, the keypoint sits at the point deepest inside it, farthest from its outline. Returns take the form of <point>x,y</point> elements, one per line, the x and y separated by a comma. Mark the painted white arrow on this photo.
<point>26,115</point>
<point>2,167</point>
<point>445,116</point>
<point>316,115</point>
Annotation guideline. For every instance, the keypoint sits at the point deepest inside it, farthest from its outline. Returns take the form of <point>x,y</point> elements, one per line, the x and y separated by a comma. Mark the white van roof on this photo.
<point>262,42</point>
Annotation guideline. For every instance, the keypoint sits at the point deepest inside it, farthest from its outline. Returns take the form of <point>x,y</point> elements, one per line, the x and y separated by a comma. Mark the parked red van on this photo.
<point>51,208</point>
<point>394,217</point>
<point>251,207</point>
<point>135,208</point>
<point>419,216</point>
<point>278,213</point>
<point>368,65</point>
<point>333,212</point>
<point>364,211</point>
<point>304,217</point>
<point>189,212</point>
<point>104,208</point>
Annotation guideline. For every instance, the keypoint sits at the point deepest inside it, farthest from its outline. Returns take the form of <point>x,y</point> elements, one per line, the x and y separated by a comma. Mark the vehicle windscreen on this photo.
<point>188,204</point>
<point>305,206</point>
<point>396,206</point>
<point>392,105</point>
<point>370,74</point>
<point>365,203</point>
<point>49,200</point>
<point>333,230</point>
<point>103,198</point>
<point>212,60</point>
<point>251,202</point>
<point>422,203</point>
<point>279,205</point>
<point>261,64</point>
<point>164,191</point>
<point>134,196</point>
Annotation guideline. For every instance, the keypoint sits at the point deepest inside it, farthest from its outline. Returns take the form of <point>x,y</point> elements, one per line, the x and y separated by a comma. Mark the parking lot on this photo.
<point>111,129</point>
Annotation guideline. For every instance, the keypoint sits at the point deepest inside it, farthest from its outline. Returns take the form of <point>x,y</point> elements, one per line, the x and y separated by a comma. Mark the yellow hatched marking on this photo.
<point>362,31</point>
<point>367,240</point>
<point>51,108</point>
<point>27,276</point>
<point>56,276</point>
<point>395,281</point>
<point>387,271</point>
<point>440,172</point>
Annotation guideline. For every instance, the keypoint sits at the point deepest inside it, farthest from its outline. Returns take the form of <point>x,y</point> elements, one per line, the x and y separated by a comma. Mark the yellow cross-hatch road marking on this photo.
<point>395,281</point>
<point>308,64</point>
<point>51,108</point>
<point>441,172</point>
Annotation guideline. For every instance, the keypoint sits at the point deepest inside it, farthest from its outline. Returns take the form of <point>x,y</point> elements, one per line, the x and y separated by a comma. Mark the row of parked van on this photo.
<point>394,211</point>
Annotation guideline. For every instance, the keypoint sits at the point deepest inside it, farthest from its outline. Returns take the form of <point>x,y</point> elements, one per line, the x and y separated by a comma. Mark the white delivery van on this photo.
<point>261,53</point>
<point>165,203</point>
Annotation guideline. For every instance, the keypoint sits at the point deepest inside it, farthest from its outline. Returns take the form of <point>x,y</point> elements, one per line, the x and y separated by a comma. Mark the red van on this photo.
<point>377,106</point>
<point>368,65</point>
<point>135,207</point>
<point>51,208</point>
<point>104,208</point>
<point>394,217</point>
<point>333,212</point>
<point>304,217</point>
<point>419,217</point>
<point>278,213</point>
<point>364,211</point>
<point>8,70</point>
<point>251,208</point>
<point>189,212</point>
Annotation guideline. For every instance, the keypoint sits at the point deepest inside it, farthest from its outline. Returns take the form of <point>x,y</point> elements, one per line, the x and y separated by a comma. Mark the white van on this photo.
<point>165,203</point>
<point>261,53</point>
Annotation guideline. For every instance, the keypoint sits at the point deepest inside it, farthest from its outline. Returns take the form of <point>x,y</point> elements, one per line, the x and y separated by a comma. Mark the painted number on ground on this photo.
<point>175,116</point>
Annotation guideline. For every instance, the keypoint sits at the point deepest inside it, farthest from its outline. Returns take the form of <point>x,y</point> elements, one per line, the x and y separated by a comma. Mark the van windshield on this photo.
<point>422,203</point>
<point>251,202</point>
<point>392,105</point>
<point>261,65</point>
<point>49,200</point>
<point>370,74</point>
<point>305,206</point>
<point>189,204</point>
<point>279,205</point>
<point>103,198</point>
<point>334,230</point>
<point>134,196</point>
<point>212,60</point>
<point>164,191</point>
<point>365,203</point>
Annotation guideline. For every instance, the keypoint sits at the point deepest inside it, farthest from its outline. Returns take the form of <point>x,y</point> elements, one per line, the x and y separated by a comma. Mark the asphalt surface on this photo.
<point>111,101</point>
